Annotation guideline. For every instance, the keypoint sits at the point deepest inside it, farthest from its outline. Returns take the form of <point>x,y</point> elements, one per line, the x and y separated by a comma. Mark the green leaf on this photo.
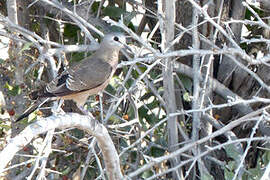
<point>186,97</point>
<point>228,175</point>
<point>124,158</point>
<point>135,74</point>
<point>142,111</point>
<point>160,89</point>
<point>133,156</point>
<point>206,177</point>
<point>115,119</point>
<point>113,12</point>
<point>6,127</point>
<point>123,142</point>
<point>128,16</point>
<point>17,90</point>
<point>249,15</point>
<point>71,30</point>
<point>146,96</point>
<point>130,112</point>
<point>32,116</point>
<point>143,68</point>
<point>95,6</point>
<point>142,114</point>
<point>157,152</point>
<point>129,82</point>
<point>153,105</point>
<point>255,173</point>
<point>231,165</point>
<point>232,152</point>
<point>2,61</point>
<point>111,88</point>
<point>77,133</point>
<point>66,170</point>
<point>266,157</point>
<point>154,74</point>
<point>147,174</point>
<point>132,27</point>
<point>151,119</point>
<point>161,139</point>
<point>187,82</point>
<point>7,86</point>
<point>13,90</point>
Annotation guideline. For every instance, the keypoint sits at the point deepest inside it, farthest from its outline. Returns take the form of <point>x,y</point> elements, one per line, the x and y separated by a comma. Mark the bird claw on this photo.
<point>56,109</point>
<point>85,112</point>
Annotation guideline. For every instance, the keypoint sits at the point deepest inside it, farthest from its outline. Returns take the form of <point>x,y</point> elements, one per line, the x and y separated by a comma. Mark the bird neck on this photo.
<point>109,55</point>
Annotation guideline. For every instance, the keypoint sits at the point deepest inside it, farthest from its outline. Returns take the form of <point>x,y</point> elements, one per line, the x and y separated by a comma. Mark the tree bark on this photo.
<point>18,14</point>
<point>167,19</point>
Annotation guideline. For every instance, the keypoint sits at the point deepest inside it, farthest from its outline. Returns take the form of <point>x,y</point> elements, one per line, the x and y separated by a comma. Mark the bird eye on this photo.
<point>116,38</point>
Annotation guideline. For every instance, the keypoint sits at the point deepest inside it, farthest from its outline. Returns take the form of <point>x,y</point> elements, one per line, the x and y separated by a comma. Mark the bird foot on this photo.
<point>85,112</point>
<point>56,109</point>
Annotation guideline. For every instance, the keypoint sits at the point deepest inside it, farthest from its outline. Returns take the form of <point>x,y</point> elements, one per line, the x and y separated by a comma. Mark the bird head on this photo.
<point>114,41</point>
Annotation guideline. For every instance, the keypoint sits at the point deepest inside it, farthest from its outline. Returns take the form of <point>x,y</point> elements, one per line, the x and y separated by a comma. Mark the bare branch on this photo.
<point>65,121</point>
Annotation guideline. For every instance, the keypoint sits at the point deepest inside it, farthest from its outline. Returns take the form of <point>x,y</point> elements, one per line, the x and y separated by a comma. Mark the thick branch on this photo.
<point>94,128</point>
<point>166,10</point>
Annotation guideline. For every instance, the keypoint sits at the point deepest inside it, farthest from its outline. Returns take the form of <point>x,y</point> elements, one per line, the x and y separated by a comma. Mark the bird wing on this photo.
<point>88,74</point>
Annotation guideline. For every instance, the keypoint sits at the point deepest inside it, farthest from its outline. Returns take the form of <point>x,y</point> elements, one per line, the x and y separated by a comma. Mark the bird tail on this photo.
<point>40,94</point>
<point>37,104</point>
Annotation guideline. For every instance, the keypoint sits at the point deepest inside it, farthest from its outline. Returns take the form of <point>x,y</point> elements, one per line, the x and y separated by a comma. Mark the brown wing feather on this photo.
<point>88,74</point>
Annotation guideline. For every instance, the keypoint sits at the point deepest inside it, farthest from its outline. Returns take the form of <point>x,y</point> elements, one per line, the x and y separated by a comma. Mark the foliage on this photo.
<point>141,90</point>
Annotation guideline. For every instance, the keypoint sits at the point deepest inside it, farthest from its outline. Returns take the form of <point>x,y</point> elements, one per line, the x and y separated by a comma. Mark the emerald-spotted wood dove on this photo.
<point>88,77</point>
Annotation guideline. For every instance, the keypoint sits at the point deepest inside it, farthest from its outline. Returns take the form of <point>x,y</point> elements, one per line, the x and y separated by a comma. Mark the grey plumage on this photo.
<point>69,82</point>
<point>88,77</point>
